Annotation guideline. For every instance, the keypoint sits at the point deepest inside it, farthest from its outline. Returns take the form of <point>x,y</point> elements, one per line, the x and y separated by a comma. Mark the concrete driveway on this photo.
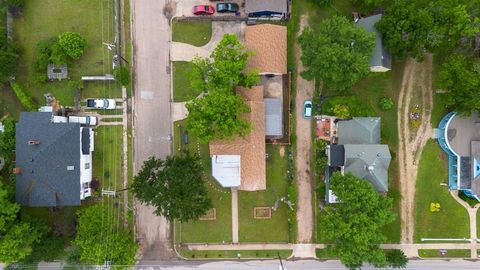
<point>186,52</point>
<point>152,115</point>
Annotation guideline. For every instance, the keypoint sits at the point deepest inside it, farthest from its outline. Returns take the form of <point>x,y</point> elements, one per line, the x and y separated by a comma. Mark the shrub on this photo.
<point>341,110</point>
<point>386,103</point>
<point>122,75</point>
<point>44,52</point>
<point>24,99</point>
<point>73,44</point>
<point>57,56</point>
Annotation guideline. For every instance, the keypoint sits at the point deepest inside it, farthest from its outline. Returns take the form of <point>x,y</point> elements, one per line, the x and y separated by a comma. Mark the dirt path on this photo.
<point>304,155</point>
<point>416,90</point>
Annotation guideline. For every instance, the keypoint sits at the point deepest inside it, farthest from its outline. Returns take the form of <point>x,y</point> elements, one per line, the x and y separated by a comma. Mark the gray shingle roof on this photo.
<point>336,155</point>
<point>44,179</point>
<point>276,6</point>
<point>380,57</point>
<point>273,117</point>
<point>359,130</point>
<point>369,162</point>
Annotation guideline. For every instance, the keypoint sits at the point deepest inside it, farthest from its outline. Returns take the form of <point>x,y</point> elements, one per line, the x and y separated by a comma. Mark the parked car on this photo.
<point>83,120</point>
<point>307,109</point>
<point>103,103</point>
<point>227,7</point>
<point>203,10</point>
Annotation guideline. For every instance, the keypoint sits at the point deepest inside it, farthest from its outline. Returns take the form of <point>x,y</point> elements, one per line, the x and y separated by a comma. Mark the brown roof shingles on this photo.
<point>268,42</point>
<point>251,148</point>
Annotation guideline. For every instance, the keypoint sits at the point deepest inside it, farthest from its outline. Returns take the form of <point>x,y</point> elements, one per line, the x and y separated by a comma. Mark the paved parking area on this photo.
<point>184,7</point>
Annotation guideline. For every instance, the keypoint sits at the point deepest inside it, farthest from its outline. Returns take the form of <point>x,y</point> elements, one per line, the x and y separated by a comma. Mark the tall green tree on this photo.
<point>407,27</point>
<point>174,186</point>
<point>100,238</point>
<point>452,23</point>
<point>16,237</point>
<point>218,116</point>
<point>353,226</point>
<point>412,28</point>
<point>460,76</point>
<point>224,69</point>
<point>337,52</point>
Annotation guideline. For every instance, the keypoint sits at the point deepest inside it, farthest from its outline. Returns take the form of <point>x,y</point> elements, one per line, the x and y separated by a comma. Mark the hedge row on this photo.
<point>24,99</point>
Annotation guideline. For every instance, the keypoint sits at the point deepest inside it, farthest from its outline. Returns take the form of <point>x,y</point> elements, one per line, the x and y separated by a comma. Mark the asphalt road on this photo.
<point>152,114</point>
<point>308,265</point>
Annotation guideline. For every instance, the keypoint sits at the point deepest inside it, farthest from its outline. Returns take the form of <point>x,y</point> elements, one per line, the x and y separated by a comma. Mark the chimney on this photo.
<point>34,142</point>
<point>17,170</point>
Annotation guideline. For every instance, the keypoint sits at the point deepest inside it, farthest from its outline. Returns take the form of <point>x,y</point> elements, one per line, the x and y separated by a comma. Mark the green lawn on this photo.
<point>452,221</point>
<point>182,90</point>
<point>204,231</point>
<point>45,20</point>
<point>266,230</point>
<point>323,253</point>
<point>196,33</point>
<point>107,157</point>
<point>233,254</point>
<point>451,253</point>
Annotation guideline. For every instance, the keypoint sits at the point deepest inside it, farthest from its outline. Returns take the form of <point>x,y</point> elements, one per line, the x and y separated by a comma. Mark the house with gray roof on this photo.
<point>53,160</point>
<point>267,8</point>
<point>360,153</point>
<point>359,130</point>
<point>381,60</point>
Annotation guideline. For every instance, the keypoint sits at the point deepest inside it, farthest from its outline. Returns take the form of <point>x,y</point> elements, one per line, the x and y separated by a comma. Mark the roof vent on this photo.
<point>370,168</point>
<point>34,142</point>
<point>70,168</point>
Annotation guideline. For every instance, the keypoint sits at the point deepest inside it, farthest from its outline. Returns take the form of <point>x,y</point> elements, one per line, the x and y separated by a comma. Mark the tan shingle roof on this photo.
<point>251,148</point>
<point>269,44</point>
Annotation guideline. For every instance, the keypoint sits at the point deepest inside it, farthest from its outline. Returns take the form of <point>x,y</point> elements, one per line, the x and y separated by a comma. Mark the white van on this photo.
<point>83,120</point>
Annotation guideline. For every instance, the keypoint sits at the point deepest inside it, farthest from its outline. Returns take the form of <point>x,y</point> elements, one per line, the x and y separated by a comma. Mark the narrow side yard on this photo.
<point>274,229</point>
<point>218,230</point>
<point>452,219</point>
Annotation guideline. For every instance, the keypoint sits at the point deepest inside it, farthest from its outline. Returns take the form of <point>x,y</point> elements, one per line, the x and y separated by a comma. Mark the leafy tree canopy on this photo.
<point>337,52</point>
<point>16,237</point>
<point>353,226</point>
<point>412,28</point>
<point>7,140</point>
<point>224,69</point>
<point>174,186</point>
<point>99,237</point>
<point>217,116</point>
<point>73,44</point>
<point>460,76</point>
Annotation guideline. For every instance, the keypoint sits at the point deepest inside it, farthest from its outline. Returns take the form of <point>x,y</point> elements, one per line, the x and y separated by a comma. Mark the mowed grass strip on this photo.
<point>235,254</point>
<point>450,253</point>
<point>452,220</point>
<point>204,231</point>
<point>196,33</point>
<point>182,90</point>
<point>274,229</point>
